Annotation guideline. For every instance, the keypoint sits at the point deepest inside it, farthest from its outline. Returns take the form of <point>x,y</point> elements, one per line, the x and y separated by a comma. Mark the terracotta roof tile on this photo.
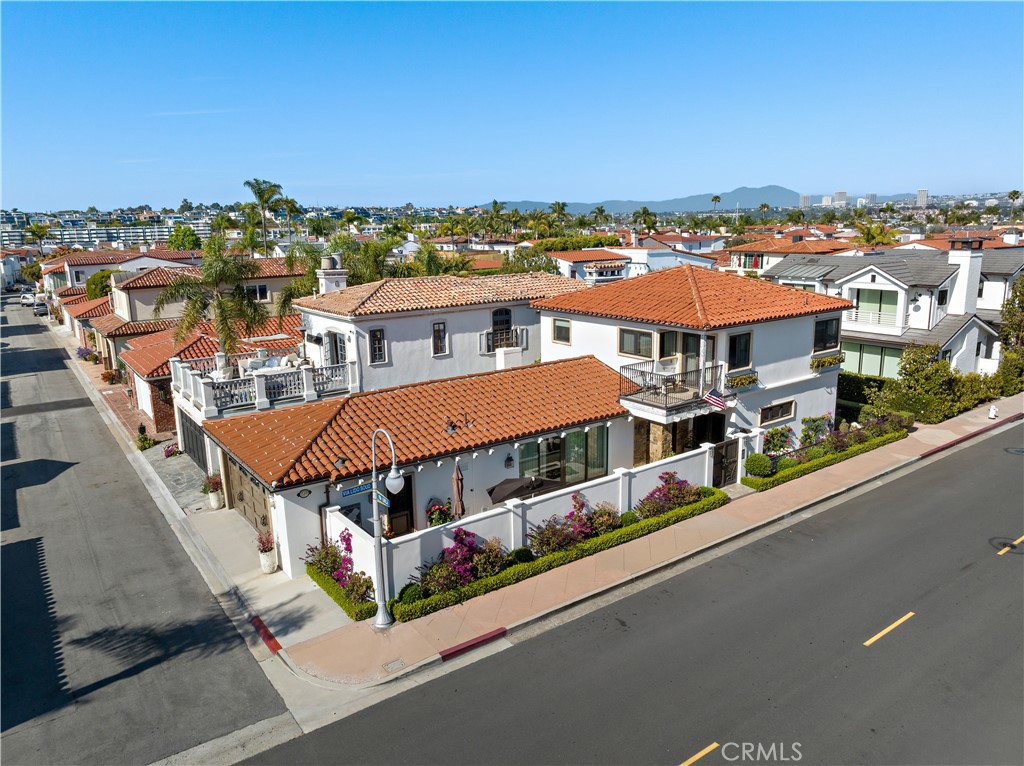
<point>67,292</point>
<point>157,276</point>
<point>89,309</point>
<point>72,299</point>
<point>390,296</point>
<point>585,256</point>
<point>689,296</point>
<point>299,444</point>
<point>785,245</point>
<point>113,326</point>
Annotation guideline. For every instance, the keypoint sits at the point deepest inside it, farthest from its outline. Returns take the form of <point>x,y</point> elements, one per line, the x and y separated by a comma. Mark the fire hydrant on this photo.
<point>993,411</point>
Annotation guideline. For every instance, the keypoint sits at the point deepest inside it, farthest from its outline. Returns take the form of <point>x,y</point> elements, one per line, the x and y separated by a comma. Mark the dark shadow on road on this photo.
<point>8,442</point>
<point>998,543</point>
<point>143,647</point>
<point>15,476</point>
<point>9,331</point>
<point>33,680</point>
<point>24,361</point>
<point>5,394</point>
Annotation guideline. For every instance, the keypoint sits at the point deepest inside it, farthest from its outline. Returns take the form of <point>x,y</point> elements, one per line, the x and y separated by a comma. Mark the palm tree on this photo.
<point>1013,195</point>
<point>581,222</point>
<point>292,210</point>
<point>38,232</point>
<point>514,218</point>
<point>320,227</point>
<point>764,207</point>
<point>304,254</point>
<point>219,295</point>
<point>715,199</point>
<point>268,197</point>
<point>453,226</point>
<point>600,215</point>
<point>248,242</point>
<point>371,263</point>
<point>350,218</point>
<point>645,219</point>
<point>430,262</point>
<point>872,234</point>
<point>538,222</point>
<point>558,211</point>
<point>221,222</point>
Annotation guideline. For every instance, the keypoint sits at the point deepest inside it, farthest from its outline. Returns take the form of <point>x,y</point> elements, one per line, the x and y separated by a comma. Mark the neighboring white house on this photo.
<point>74,270</point>
<point>598,265</point>
<point>770,352</point>
<point>902,297</point>
<point>400,331</point>
<point>754,258</point>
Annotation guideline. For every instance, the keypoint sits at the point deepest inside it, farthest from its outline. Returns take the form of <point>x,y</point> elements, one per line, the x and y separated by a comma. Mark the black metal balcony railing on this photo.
<point>641,383</point>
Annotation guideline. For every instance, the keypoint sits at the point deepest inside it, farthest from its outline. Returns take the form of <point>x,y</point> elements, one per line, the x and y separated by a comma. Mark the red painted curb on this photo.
<point>465,646</point>
<point>265,634</point>
<point>979,432</point>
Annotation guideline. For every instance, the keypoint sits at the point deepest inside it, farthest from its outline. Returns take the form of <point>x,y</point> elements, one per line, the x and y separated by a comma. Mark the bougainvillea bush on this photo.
<point>671,494</point>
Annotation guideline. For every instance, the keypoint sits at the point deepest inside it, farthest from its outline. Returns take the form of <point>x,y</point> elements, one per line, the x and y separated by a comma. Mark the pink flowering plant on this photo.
<point>440,513</point>
<point>672,493</point>
<point>358,586</point>
<point>581,523</point>
<point>777,440</point>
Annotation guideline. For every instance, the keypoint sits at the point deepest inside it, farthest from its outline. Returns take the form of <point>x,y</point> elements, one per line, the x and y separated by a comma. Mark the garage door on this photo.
<point>248,497</point>
<point>193,442</point>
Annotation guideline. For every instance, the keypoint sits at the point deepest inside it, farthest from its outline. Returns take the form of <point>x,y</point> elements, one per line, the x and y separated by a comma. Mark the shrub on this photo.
<point>325,558</point>
<point>856,388</point>
<point>836,442</point>
<point>109,376</point>
<point>784,463</point>
<point>673,493</point>
<point>440,513</point>
<point>212,483</point>
<point>628,519</point>
<point>144,442</point>
<point>604,517</point>
<point>358,587</point>
<point>489,559</point>
<point>439,577</point>
<point>758,464</point>
<point>815,429</point>
<point>709,500</point>
<point>856,436</point>
<point>1009,378</point>
<point>362,610</point>
<point>777,439</point>
<point>460,555</point>
<point>82,352</point>
<point>781,477</point>
<point>265,540</point>
<point>550,536</point>
<point>814,453</point>
<point>520,556</point>
<point>410,593</point>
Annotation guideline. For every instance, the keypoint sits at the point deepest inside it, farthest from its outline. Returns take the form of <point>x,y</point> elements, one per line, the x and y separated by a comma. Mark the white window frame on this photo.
<point>383,345</point>
<point>256,289</point>
<point>792,409</point>
<point>554,331</point>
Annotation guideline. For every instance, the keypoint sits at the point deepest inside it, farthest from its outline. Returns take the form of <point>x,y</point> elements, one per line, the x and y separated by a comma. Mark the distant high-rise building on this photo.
<point>840,199</point>
<point>922,198</point>
<point>805,200</point>
<point>872,199</point>
<point>826,200</point>
<point>861,201</point>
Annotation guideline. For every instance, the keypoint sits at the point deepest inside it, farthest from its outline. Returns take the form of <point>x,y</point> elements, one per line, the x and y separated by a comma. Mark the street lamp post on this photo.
<point>394,483</point>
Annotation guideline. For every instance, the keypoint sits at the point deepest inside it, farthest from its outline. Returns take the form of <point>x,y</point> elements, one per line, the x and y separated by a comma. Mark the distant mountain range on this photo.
<point>746,197</point>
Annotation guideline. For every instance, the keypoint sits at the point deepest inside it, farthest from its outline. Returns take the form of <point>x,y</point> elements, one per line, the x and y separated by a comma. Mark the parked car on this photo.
<point>28,299</point>
<point>40,309</point>
<point>12,288</point>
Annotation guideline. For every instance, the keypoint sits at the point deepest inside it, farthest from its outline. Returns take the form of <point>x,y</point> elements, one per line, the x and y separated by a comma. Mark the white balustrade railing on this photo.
<point>232,393</point>
<point>880,318</point>
<point>332,378</point>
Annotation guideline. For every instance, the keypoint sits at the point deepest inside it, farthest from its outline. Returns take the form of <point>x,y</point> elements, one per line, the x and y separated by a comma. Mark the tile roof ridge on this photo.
<point>339,405</point>
<point>697,301</point>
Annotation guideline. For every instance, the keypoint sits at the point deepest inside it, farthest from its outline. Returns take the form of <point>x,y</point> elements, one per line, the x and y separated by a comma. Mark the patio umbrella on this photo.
<point>528,485</point>
<point>458,509</point>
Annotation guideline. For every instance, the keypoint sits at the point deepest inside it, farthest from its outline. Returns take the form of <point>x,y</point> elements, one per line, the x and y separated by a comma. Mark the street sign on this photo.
<point>356,490</point>
<point>382,500</point>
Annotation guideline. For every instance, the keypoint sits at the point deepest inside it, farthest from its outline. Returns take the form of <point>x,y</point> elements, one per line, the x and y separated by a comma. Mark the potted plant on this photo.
<point>212,486</point>
<point>265,545</point>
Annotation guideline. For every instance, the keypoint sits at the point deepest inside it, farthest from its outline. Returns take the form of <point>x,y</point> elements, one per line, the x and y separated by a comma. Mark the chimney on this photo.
<point>330,277</point>
<point>1012,237</point>
<point>778,235</point>
<point>143,248</point>
<point>964,299</point>
<point>633,239</point>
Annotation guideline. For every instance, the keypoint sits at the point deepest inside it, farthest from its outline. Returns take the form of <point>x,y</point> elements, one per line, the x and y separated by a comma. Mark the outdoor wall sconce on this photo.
<point>509,461</point>
<point>305,493</point>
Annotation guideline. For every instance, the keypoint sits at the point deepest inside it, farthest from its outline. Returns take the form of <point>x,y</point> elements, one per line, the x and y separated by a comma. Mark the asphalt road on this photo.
<point>113,649</point>
<point>763,646</point>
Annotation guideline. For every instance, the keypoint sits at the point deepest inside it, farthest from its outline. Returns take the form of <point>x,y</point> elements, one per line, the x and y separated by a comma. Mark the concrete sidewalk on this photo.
<point>303,626</point>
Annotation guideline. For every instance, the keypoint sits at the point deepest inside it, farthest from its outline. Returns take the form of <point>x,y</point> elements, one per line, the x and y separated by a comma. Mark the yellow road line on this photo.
<point>700,755</point>
<point>895,625</point>
<point>1010,547</point>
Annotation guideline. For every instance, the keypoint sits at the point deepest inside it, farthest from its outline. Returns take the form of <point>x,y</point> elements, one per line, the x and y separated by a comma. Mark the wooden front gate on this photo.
<point>193,441</point>
<point>248,497</point>
<point>725,463</point>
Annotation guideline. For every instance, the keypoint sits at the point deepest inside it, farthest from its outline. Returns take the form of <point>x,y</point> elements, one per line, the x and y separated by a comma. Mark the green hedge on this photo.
<point>823,462</point>
<point>854,387</point>
<point>711,499</point>
<point>363,610</point>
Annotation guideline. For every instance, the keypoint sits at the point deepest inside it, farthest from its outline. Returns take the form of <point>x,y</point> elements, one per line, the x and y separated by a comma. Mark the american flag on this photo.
<point>715,399</point>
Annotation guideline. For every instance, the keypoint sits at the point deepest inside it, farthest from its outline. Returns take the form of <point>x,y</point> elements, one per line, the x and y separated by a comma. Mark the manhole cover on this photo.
<point>394,665</point>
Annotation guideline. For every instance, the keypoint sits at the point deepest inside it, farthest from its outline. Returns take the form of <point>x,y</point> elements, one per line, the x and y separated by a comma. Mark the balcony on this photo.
<point>656,390</point>
<point>877,321</point>
<point>227,384</point>
<point>492,340</point>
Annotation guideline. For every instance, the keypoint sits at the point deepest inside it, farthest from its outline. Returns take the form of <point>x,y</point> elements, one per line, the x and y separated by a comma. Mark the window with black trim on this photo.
<point>981,289</point>
<point>739,351</point>
<point>636,343</point>
<point>378,347</point>
<point>826,334</point>
<point>775,412</point>
<point>943,297</point>
<point>561,331</point>
<point>259,292</point>
<point>439,336</point>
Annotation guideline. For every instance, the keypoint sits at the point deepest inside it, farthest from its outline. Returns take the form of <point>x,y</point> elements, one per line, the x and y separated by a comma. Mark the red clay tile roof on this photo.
<point>89,309</point>
<point>113,326</point>
<point>785,245</point>
<point>300,444</point>
<point>66,292</point>
<point>274,267</point>
<point>689,296</point>
<point>390,296</point>
<point>157,276</point>
<point>585,256</point>
<point>173,255</point>
<point>149,355</point>
<point>72,299</point>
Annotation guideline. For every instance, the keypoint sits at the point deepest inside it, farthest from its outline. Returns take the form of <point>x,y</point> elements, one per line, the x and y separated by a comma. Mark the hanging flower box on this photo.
<point>741,381</point>
<point>825,362</point>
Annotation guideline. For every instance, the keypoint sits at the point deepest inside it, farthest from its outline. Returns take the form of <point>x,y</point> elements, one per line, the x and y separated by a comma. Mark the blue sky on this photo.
<point>455,103</point>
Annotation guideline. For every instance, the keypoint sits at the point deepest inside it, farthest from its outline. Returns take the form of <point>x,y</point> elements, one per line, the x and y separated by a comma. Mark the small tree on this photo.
<point>183,238</point>
<point>927,386</point>
<point>523,260</point>
<point>1012,332</point>
<point>98,284</point>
